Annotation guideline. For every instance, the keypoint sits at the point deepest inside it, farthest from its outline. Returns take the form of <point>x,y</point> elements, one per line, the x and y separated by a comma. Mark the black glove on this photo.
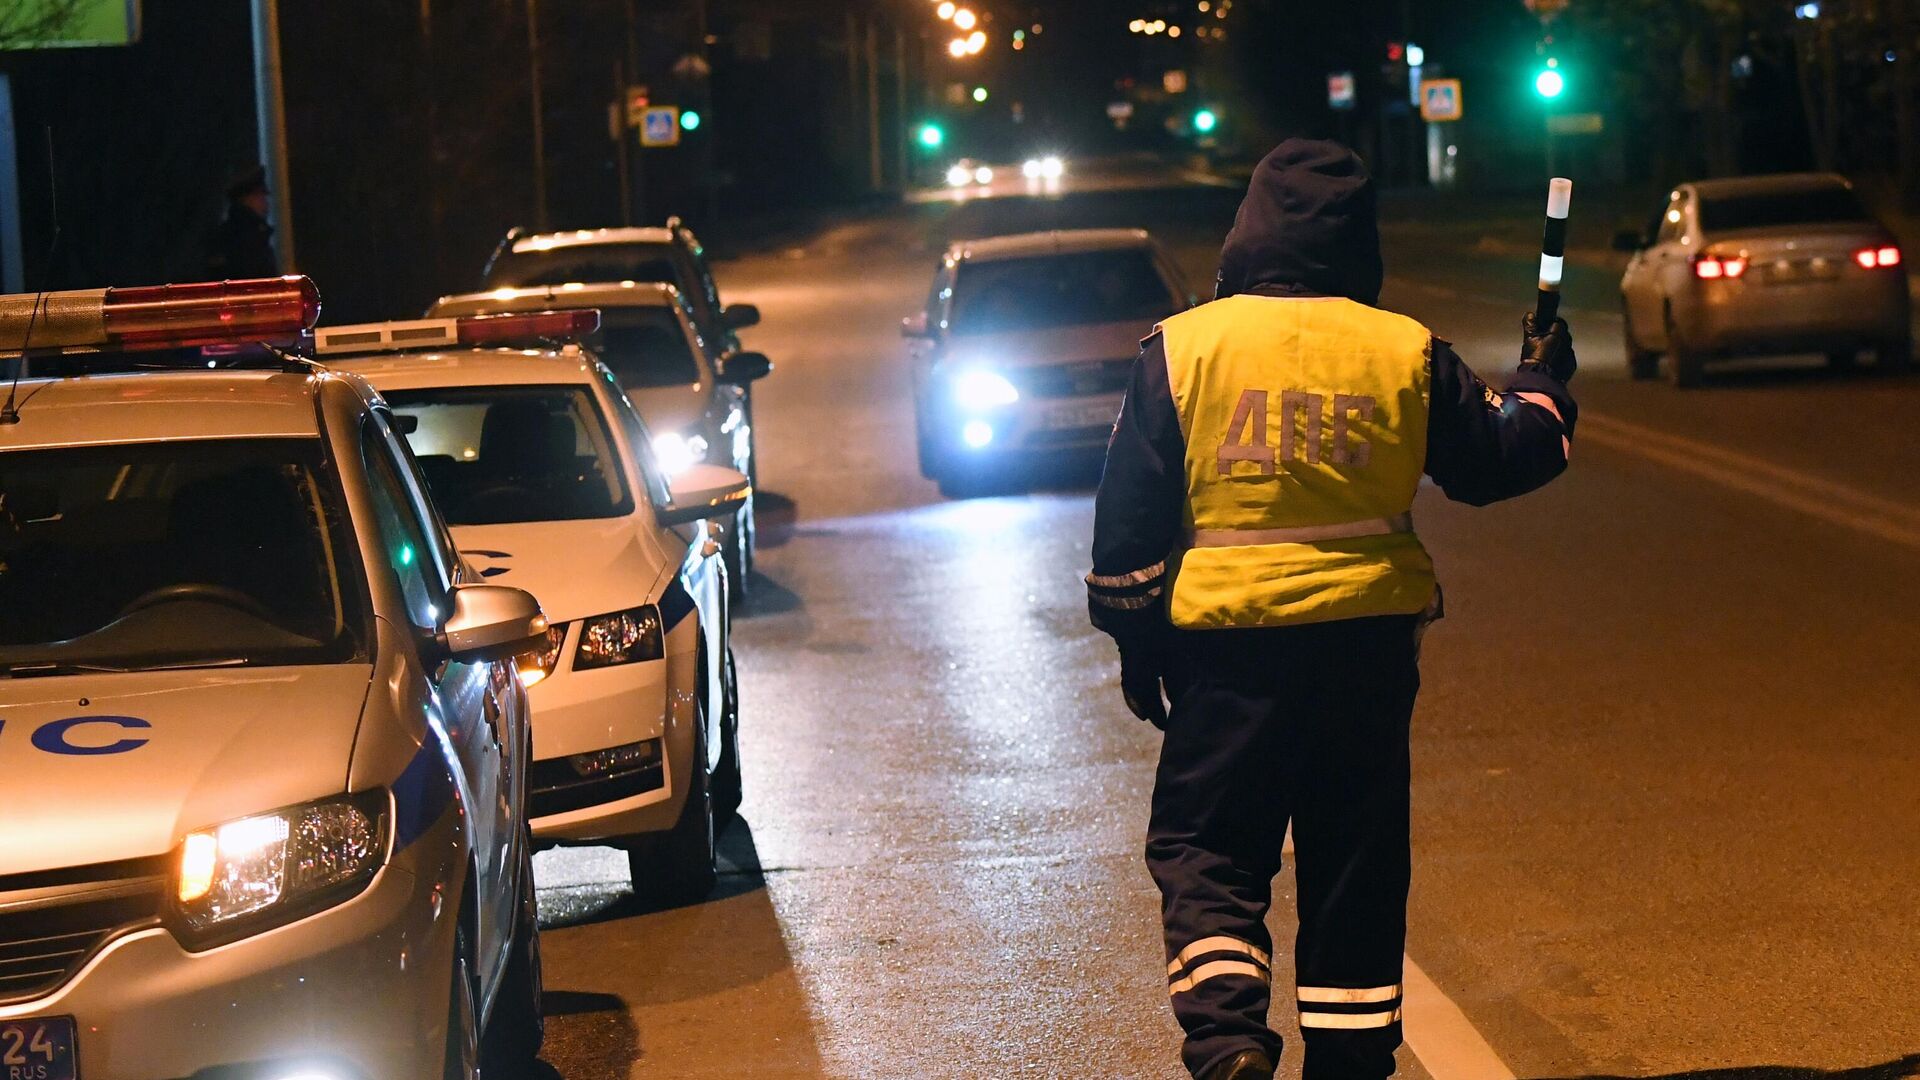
<point>1141,668</point>
<point>1552,350</point>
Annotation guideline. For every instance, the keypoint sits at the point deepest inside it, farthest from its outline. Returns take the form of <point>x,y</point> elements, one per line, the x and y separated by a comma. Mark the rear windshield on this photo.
<point>178,554</point>
<point>585,263</point>
<point>645,348</point>
<point>499,454</point>
<point>1060,290</point>
<point>1816,206</point>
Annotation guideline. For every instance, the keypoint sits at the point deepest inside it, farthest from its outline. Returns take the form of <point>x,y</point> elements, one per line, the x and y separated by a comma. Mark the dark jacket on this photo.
<point>1308,227</point>
<point>242,246</point>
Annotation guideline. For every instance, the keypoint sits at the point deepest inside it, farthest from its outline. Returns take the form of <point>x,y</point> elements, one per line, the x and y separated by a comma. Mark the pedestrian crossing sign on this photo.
<point>660,126</point>
<point>1440,100</point>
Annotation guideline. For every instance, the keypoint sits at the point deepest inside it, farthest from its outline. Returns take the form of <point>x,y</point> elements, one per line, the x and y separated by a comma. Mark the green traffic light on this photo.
<point>1549,83</point>
<point>980,94</point>
<point>931,136</point>
<point>690,120</point>
<point>1205,121</point>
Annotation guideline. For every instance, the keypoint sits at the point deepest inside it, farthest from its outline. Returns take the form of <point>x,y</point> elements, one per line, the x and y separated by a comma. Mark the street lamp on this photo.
<point>965,18</point>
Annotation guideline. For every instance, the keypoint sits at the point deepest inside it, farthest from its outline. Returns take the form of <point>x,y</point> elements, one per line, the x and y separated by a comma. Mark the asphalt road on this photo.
<point>1665,792</point>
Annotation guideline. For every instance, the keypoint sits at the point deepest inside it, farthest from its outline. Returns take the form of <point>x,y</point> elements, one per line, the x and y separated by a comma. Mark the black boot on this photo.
<point>1245,1065</point>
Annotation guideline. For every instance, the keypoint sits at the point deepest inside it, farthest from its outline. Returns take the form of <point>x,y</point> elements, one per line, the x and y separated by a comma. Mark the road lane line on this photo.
<point>1790,488</point>
<point>1441,1036</point>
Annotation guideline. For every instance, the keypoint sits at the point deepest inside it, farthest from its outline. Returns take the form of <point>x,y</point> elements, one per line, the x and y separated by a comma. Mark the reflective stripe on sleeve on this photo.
<point>1348,1021</point>
<point>1126,603</point>
<point>1121,581</point>
<point>1213,969</point>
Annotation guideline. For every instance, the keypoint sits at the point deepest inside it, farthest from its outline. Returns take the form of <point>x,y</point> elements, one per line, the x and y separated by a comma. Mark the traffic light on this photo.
<point>932,137</point>
<point>1549,83</point>
<point>1205,121</point>
<point>980,94</point>
<point>690,120</point>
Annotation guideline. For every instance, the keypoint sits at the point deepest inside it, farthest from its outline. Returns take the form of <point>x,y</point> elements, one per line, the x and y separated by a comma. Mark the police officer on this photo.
<point>242,244</point>
<point>1254,554</point>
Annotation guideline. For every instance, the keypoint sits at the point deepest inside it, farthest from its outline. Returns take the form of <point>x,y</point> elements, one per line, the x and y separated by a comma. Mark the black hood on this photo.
<point>1308,227</point>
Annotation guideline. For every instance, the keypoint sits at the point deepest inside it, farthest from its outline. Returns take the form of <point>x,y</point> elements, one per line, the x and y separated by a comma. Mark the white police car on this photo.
<point>264,747</point>
<point>544,470</point>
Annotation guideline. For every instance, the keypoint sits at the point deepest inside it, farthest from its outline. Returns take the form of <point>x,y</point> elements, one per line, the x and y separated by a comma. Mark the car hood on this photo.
<point>179,750</point>
<point>574,568</point>
<point>1061,345</point>
<point>671,408</point>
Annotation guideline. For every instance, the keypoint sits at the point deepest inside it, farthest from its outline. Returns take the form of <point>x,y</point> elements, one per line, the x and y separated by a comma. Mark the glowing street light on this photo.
<point>965,19</point>
<point>980,94</point>
<point>946,9</point>
<point>976,41</point>
<point>957,48</point>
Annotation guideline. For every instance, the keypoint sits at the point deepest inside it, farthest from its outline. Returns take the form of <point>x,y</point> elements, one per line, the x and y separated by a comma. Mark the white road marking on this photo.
<point>1790,488</point>
<point>1442,1037</point>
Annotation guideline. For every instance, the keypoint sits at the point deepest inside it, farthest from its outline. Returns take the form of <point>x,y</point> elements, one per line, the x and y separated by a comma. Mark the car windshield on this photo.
<point>500,454</point>
<point>646,348</point>
<point>587,263</point>
<point>1049,291</point>
<point>175,554</point>
<point>1763,210</point>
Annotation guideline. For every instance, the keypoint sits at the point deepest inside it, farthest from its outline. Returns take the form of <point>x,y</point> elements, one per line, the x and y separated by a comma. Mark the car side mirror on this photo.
<point>703,491</point>
<point>492,622</point>
<point>744,367</point>
<point>1628,241</point>
<point>915,326</point>
<point>740,316</point>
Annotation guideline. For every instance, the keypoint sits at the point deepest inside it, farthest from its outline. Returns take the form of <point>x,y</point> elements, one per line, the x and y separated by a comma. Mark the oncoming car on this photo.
<point>544,470</point>
<point>1026,344</point>
<point>1763,265</point>
<point>266,746</point>
<point>694,398</point>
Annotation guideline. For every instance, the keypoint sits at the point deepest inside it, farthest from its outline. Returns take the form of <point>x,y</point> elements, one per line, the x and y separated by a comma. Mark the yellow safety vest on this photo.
<point>1306,430</point>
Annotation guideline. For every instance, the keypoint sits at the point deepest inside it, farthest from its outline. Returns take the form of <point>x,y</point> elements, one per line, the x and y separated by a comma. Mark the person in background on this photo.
<point>242,245</point>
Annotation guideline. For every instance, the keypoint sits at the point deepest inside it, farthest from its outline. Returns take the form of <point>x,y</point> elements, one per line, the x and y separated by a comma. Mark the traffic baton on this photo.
<point>1553,254</point>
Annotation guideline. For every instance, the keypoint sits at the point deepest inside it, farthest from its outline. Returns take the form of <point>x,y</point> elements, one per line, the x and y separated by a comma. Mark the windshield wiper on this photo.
<point>32,669</point>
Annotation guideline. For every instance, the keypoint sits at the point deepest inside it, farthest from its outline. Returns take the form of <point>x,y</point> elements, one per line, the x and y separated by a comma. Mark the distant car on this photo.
<point>693,395</point>
<point>1026,345</point>
<point>969,173</point>
<point>1763,265</point>
<point>669,254</point>
<point>266,750</point>
<point>544,470</point>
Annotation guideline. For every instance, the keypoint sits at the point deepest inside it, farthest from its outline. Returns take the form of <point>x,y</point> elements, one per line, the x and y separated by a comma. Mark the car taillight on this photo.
<point>529,326</point>
<point>1713,267</point>
<point>1870,258</point>
<point>159,316</point>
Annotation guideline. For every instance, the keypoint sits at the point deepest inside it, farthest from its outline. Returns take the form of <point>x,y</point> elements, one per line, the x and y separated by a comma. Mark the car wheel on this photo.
<point>518,1025</point>
<point>728,785</point>
<point>1684,366</point>
<point>462,1060</point>
<point>928,453</point>
<point>679,867</point>
<point>1894,357</point>
<point>1641,363</point>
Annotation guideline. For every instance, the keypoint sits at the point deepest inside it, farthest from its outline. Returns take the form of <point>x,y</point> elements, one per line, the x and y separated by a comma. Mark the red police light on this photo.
<point>209,313</point>
<point>1396,51</point>
<point>528,326</point>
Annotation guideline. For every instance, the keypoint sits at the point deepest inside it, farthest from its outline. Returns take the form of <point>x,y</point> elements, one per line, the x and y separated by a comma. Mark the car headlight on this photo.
<point>258,872</point>
<point>624,637</point>
<point>959,176</point>
<point>677,453</point>
<point>977,389</point>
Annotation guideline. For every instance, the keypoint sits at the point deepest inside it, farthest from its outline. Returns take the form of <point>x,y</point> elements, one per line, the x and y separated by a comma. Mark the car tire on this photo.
<point>928,454</point>
<point>728,783</point>
<point>1684,366</point>
<point>518,1025</point>
<point>680,866</point>
<point>1641,363</point>
<point>462,1058</point>
<point>1894,357</point>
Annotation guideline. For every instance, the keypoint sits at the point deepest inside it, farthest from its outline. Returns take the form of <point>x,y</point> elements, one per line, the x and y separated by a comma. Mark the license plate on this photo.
<point>1075,416</point>
<point>1788,273</point>
<point>38,1049</point>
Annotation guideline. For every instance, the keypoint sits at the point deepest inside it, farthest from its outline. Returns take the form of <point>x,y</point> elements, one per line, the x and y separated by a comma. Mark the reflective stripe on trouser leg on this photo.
<point>1213,957</point>
<point>1348,1008</point>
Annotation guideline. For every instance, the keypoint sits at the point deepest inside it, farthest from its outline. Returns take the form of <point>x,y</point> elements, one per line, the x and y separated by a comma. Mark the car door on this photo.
<point>924,350</point>
<point>1645,283</point>
<point>466,700</point>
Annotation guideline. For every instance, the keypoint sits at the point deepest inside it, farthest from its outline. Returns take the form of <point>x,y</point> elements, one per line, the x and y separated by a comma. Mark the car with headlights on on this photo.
<point>548,478</point>
<point>693,393</point>
<point>265,744</point>
<point>1026,344</point>
<point>1763,265</point>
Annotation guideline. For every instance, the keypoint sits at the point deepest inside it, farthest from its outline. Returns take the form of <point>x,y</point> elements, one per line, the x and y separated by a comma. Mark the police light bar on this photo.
<point>152,317</point>
<point>469,330</point>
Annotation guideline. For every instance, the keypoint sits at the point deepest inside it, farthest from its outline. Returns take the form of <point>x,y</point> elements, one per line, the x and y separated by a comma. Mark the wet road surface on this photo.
<point>1664,798</point>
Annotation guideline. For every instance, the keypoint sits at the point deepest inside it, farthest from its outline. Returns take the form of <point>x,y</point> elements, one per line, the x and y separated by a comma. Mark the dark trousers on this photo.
<point>1308,725</point>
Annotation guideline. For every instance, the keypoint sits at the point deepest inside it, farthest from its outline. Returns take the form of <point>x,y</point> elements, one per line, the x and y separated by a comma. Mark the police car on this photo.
<point>264,744</point>
<point>546,473</point>
<point>693,395</point>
